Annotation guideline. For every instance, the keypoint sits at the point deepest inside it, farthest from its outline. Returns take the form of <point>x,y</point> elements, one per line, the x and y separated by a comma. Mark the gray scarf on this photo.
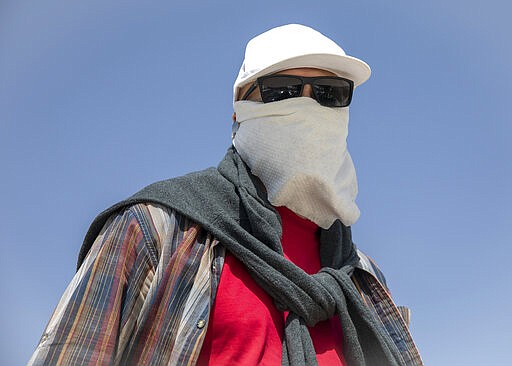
<point>231,204</point>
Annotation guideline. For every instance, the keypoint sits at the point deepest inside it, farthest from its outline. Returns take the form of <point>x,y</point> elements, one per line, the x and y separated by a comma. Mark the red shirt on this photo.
<point>245,328</point>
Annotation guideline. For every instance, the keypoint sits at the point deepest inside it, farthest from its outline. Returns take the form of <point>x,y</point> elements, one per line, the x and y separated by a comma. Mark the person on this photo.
<point>251,262</point>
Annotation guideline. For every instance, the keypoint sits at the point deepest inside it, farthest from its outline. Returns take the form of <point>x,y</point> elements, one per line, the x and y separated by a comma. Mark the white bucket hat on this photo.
<point>293,46</point>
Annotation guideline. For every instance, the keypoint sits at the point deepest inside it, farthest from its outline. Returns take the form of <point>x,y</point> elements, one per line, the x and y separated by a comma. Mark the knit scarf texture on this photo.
<point>231,203</point>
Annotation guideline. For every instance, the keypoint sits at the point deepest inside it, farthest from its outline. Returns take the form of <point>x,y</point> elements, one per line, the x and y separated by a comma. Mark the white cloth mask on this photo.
<point>298,149</point>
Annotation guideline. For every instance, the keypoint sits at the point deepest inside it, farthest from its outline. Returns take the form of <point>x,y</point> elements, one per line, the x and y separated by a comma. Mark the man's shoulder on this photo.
<point>187,195</point>
<point>163,192</point>
<point>182,189</point>
<point>368,265</point>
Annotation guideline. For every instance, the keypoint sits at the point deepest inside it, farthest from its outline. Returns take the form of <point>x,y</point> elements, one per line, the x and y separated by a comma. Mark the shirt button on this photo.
<point>201,323</point>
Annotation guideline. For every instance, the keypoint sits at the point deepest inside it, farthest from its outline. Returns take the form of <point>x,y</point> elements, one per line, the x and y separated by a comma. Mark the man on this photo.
<point>250,263</point>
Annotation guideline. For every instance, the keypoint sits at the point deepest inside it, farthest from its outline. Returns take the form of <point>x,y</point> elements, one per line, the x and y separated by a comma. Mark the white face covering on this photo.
<point>298,150</point>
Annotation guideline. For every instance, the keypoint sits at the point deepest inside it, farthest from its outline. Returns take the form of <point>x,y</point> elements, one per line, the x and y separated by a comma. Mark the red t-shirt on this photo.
<point>245,328</point>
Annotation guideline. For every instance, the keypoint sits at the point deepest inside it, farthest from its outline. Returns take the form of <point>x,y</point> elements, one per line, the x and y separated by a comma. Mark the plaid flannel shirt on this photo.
<point>143,295</point>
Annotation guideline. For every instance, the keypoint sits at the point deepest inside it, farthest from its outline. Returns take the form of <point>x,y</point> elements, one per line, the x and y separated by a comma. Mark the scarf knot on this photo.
<point>320,305</point>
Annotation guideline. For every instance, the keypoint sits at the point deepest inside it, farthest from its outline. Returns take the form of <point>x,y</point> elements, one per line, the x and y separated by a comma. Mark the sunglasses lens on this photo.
<point>328,91</point>
<point>333,92</point>
<point>280,87</point>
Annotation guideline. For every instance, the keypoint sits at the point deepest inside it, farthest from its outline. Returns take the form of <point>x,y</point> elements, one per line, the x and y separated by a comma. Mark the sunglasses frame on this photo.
<point>304,81</point>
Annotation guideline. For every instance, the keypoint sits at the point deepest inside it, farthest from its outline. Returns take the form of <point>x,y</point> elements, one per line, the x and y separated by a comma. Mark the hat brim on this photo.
<point>345,66</point>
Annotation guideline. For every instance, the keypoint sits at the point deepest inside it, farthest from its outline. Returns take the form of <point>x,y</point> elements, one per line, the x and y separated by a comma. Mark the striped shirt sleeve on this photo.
<point>90,323</point>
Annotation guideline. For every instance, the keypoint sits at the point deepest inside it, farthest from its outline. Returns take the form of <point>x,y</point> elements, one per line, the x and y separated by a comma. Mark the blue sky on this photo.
<point>100,98</point>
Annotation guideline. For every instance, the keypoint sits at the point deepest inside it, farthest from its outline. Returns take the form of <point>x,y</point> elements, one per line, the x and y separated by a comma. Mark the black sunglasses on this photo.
<point>329,91</point>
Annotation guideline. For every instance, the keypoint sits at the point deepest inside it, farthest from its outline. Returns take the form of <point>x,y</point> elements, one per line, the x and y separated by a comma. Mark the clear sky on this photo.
<point>100,98</point>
